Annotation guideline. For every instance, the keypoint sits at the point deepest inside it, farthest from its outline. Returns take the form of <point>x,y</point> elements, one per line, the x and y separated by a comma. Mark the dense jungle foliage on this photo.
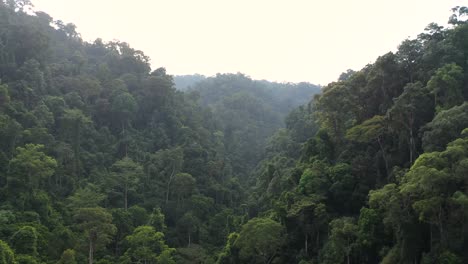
<point>103,160</point>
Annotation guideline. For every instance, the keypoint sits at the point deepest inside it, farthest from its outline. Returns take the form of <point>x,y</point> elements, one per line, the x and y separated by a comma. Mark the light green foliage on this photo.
<point>429,186</point>
<point>7,255</point>
<point>314,180</point>
<point>260,239</point>
<point>369,131</point>
<point>166,257</point>
<point>86,197</point>
<point>229,252</point>
<point>156,220</point>
<point>68,257</point>
<point>445,127</point>
<point>146,245</point>
<point>31,165</point>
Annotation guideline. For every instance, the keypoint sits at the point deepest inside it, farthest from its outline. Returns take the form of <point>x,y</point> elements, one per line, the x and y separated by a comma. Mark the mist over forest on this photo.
<point>105,160</point>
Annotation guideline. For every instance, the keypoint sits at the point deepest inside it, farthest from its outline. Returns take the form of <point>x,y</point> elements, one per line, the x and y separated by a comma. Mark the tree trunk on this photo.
<point>384,156</point>
<point>318,239</point>
<point>169,183</point>
<point>412,144</point>
<point>411,147</point>
<point>123,137</point>
<point>305,244</point>
<point>125,197</point>
<point>271,259</point>
<point>430,245</point>
<point>90,258</point>
<point>76,151</point>
<point>441,226</point>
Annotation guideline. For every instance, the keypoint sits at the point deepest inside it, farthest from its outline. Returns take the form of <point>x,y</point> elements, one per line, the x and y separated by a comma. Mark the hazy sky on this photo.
<point>278,40</point>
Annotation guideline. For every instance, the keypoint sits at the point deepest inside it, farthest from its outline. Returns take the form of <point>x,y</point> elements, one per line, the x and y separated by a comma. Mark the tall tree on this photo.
<point>125,175</point>
<point>96,225</point>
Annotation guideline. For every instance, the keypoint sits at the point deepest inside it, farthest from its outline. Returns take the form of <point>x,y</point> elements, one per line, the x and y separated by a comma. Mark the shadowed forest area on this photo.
<point>104,160</point>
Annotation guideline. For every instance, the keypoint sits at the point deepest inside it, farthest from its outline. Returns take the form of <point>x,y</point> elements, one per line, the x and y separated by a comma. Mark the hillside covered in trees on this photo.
<point>103,160</point>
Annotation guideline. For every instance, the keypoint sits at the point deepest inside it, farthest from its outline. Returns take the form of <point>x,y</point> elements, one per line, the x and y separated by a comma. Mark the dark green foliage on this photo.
<point>368,185</point>
<point>446,126</point>
<point>24,241</point>
<point>94,145</point>
<point>104,161</point>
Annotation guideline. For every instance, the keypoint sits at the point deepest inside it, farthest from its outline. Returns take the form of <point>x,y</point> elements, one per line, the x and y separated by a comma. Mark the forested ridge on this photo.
<point>103,160</point>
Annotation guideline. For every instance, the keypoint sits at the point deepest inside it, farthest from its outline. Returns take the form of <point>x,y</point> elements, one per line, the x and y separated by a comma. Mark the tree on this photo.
<point>229,255</point>
<point>68,257</point>
<point>31,165</point>
<point>44,117</point>
<point>342,241</point>
<point>409,54</point>
<point>188,225</point>
<point>260,240</point>
<point>371,130</point>
<point>17,5</point>
<point>126,174</point>
<point>73,121</point>
<point>24,241</point>
<point>309,215</point>
<point>25,259</point>
<point>410,111</point>
<point>446,86</point>
<point>431,183</point>
<point>6,254</point>
<point>146,245</point>
<point>10,132</point>
<point>97,227</point>
<point>156,220</point>
<point>124,106</point>
<point>459,15</point>
<point>162,168</point>
<point>444,128</point>
<point>4,96</point>
<point>184,184</point>
<point>333,109</point>
<point>87,197</point>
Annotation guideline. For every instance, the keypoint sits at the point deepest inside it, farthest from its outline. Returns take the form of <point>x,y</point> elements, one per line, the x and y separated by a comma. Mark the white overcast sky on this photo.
<point>278,40</point>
